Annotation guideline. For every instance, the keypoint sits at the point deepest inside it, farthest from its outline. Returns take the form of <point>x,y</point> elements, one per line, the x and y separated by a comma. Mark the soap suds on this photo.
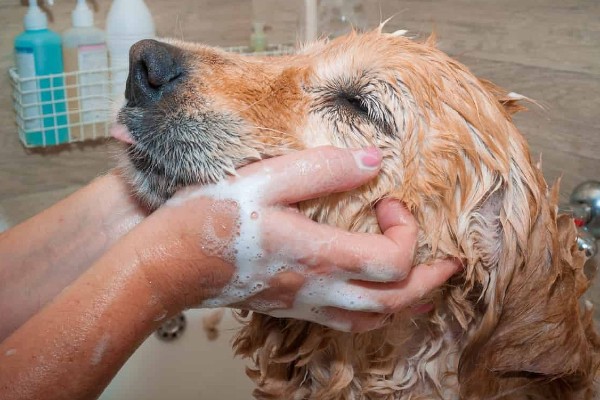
<point>254,269</point>
<point>252,276</point>
<point>10,352</point>
<point>100,349</point>
<point>382,273</point>
<point>160,317</point>
<point>335,292</point>
<point>330,291</point>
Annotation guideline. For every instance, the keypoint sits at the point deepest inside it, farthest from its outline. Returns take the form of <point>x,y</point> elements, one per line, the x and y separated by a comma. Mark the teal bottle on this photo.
<point>38,54</point>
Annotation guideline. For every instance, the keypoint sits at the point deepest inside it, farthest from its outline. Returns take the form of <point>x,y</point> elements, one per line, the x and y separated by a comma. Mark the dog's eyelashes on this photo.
<point>366,107</point>
<point>354,103</point>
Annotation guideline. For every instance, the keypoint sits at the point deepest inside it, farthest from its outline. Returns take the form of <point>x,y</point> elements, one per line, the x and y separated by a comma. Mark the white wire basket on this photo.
<point>77,106</point>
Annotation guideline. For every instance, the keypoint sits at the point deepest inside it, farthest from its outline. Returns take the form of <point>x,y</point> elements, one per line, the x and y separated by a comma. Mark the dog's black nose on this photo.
<point>155,69</point>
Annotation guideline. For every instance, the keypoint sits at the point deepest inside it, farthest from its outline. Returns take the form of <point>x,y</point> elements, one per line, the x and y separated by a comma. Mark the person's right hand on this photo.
<point>242,243</point>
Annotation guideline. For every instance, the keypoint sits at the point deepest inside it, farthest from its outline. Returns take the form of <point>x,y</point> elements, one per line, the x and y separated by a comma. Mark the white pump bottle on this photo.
<point>86,60</point>
<point>128,22</point>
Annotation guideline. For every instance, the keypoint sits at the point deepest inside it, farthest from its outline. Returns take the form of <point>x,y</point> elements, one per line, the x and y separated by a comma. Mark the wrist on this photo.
<point>117,210</point>
<point>49,251</point>
<point>126,264</point>
<point>173,259</point>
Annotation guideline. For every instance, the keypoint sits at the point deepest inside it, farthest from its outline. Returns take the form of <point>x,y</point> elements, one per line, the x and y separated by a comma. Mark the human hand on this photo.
<point>242,243</point>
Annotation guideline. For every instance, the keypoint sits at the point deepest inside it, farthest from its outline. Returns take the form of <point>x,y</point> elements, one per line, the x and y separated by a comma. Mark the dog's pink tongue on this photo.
<point>121,133</point>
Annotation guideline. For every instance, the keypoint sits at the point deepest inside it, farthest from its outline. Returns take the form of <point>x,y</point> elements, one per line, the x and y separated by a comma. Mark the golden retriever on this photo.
<point>509,326</point>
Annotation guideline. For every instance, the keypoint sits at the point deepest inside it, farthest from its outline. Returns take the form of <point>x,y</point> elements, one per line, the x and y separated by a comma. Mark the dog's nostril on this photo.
<point>155,68</point>
<point>159,69</point>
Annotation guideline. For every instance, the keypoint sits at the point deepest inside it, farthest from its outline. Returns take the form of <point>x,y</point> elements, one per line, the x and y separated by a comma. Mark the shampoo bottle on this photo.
<point>128,22</point>
<point>86,64</point>
<point>258,39</point>
<point>39,64</point>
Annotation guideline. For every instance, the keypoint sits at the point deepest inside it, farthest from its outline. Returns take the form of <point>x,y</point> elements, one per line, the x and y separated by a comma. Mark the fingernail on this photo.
<point>460,264</point>
<point>399,211</point>
<point>368,158</point>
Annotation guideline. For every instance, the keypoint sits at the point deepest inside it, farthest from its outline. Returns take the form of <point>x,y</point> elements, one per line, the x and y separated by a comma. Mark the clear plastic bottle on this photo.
<point>84,50</point>
<point>338,17</point>
<point>38,54</point>
<point>128,22</point>
<point>258,39</point>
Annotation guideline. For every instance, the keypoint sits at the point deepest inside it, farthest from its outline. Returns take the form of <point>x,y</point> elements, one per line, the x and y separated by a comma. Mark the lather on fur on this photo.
<point>510,326</point>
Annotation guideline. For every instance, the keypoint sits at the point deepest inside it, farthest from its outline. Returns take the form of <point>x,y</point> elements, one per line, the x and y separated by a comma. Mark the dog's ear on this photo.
<point>533,332</point>
<point>510,101</point>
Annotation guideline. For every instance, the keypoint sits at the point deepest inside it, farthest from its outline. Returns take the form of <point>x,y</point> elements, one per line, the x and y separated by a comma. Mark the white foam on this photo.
<point>382,272</point>
<point>10,352</point>
<point>161,316</point>
<point>252,275</point>
<point>100,349</point>
<point>335,292</point>
<point>318,315</point>
<point>332,292</point>
<point>254,270</point>
<point>266,306</point>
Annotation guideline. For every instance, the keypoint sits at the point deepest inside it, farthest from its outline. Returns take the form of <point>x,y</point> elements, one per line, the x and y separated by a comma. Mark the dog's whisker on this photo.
<point>264,128</point>
<point>253,104</point>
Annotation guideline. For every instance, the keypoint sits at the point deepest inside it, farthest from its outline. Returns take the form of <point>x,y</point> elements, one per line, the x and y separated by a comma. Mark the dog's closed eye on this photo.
<point>355,103</point>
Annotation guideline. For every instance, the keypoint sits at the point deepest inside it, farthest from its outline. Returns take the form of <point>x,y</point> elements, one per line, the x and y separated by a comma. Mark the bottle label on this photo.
<point>93,83</point>
<point>30,99</point>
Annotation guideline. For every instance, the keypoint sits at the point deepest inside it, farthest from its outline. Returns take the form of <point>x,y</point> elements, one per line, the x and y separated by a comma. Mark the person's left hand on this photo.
<point>242,243</point>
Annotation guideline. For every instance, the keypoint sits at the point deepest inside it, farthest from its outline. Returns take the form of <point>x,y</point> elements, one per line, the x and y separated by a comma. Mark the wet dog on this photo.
<point>510,326</point>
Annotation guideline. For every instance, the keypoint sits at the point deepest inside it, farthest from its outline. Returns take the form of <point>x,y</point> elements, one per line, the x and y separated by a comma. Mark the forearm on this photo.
<point>41,256</point>
<point>73,347</point>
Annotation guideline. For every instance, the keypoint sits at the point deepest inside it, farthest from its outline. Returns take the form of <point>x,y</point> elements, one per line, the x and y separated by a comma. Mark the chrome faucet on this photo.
<point>584,207</point>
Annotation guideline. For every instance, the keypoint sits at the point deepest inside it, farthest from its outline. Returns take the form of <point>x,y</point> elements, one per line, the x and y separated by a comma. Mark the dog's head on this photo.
<point>451,153</point>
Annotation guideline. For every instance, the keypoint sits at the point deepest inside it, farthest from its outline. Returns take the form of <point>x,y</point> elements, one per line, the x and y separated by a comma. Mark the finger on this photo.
<point>328,249</point>
<point>422,308</point>
<point>334,318</point>
<point>355,321</point>
<point>422,280</point>
<point>330,291</point>
<point>397,223</point>
<point>391,212</point>
<point>314,173</point>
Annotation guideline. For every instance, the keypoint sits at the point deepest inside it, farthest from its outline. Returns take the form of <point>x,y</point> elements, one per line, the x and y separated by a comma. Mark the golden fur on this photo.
<point>510,325</point>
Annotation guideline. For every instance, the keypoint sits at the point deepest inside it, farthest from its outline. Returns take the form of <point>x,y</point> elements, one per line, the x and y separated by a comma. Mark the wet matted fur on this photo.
<point>509,326</point>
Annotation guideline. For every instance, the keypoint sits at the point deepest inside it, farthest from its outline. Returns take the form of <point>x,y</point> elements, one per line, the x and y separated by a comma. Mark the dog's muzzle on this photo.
<point>155,70</point>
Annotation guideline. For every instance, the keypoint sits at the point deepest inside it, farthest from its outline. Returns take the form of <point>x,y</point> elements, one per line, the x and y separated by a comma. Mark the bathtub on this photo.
<point>189,367</point>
